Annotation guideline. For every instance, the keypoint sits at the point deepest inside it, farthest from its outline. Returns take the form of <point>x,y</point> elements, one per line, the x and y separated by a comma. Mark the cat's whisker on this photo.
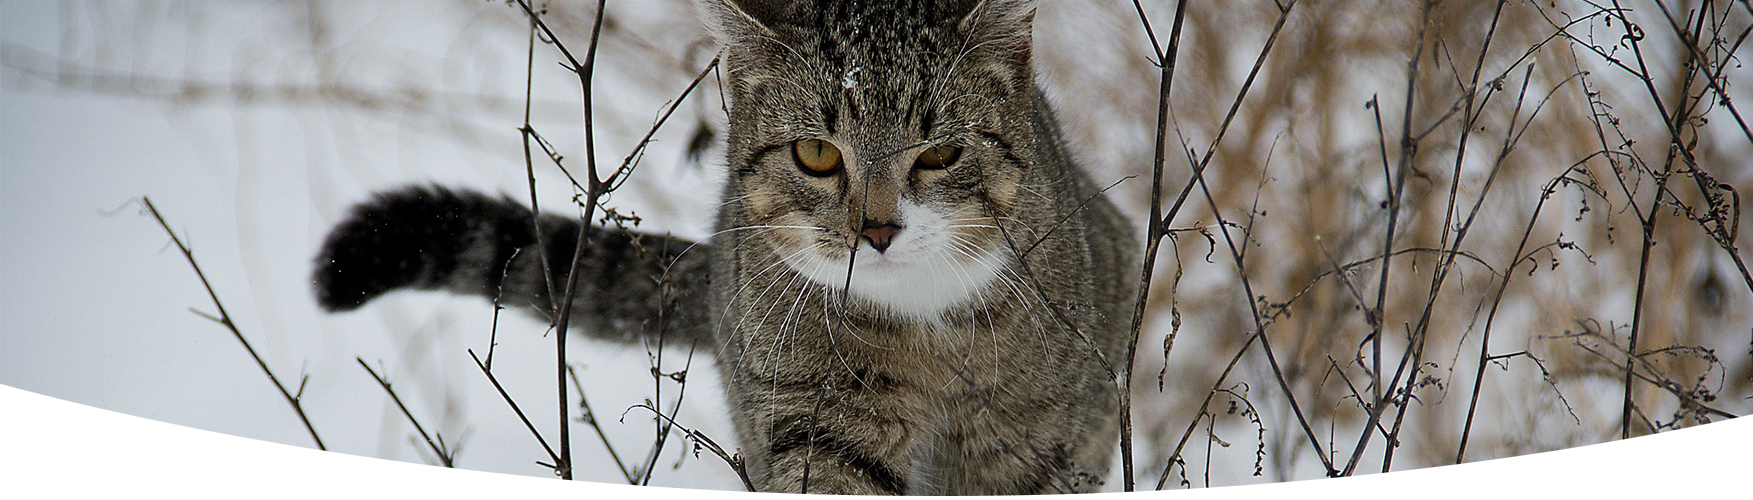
<point>979,296</point>
<point>849,331</point>
<point>1006,274</point>
<point>787,326</point>
<point>943,78</point>
<point>1027,189</point>
<point>777,263</point>
<point>1007,277</point>
<point>741,288</point>
<point>666,272</point>
<point>793,50</point>
<point>946,105</point>
<point>793,279</point>
<point>733,199</point>
<point>996,218</point>
<point>834,343</point>
<point>741,228</point>
<point>1028,300</point>
<point>964,247</point>
<point>777,350</point>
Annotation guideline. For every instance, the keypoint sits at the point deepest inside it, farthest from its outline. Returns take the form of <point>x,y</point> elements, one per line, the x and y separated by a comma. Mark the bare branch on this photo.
<point>225,319</point>
<point>444,456</point>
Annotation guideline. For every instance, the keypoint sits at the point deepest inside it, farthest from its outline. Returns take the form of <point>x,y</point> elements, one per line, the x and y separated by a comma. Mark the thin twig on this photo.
<point>443,456</point>
<point>1235,250</point>
<point>663,430</point>
<point>1655,379</point>
<point>590,418</point>
<point>1512,137</point>
<point>1649,222</point>
<point>1725,237</point>
<point>1508,272</point>
<point>225,320</point>
<point>701,440</point>
<point>1197,179</point>
<point>583,71</point>
<point>631,162</point>
<point>595,188</point>
<point>1154,233</point>
<point>1711,77</point>
<point>1396,187</point>
<point>519,411</point>
<point>1175,456</point>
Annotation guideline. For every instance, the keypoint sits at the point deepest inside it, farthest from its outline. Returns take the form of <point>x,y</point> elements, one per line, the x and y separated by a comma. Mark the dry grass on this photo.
<point>1307,170</point>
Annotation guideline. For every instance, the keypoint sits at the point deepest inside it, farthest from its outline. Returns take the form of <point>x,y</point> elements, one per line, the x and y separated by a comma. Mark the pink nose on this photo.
<point>879,235</point>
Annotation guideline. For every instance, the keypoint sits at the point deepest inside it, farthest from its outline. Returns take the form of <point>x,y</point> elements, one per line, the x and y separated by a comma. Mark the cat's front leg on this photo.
<point>1017,458</point>
<point>824,437</point>
<point>834,462</point>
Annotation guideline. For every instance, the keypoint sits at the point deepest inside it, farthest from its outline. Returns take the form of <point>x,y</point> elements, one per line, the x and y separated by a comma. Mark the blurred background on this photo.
<point>1526,177</point>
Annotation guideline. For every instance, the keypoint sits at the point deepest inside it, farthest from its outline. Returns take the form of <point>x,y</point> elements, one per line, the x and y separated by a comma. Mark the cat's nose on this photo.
<point>879,235</point>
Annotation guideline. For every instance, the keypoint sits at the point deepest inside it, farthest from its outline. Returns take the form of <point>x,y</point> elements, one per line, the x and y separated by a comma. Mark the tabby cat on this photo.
<point>912,290</point>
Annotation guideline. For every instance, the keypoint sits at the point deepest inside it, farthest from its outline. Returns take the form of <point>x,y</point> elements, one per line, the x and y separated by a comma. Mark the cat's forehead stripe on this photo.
<point>831,116</point>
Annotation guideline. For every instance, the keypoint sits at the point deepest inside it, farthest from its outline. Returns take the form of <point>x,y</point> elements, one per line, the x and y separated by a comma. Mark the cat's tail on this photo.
<point>630,285</point>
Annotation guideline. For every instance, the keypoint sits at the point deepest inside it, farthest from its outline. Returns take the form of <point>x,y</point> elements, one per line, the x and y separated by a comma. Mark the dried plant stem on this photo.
<point>224,319</point>
<point>663,430</point>
<point>1396,186</point>
<point>1711,78</point>
<point>518,410</point>
<point>529,133</point>
<point>1204,408</point>
<point>1675,148</point>
<point>1160,225</point>
<point>621,173</point>
<point>584,72</point>
<point>595,187</point>
<point>590,418</point>
<point>444,456</point>
<point>1655,378</point>
<point>498,296</point>
<point>1237,254</point>
<point>1153,233</point>
<point>1512,137</point>
<point>1515,259</point>
<point>1235,250</point>
<point>734,461</point>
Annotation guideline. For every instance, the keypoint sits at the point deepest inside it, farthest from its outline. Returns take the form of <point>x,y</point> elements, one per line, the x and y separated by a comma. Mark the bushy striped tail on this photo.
<point>432,238</point>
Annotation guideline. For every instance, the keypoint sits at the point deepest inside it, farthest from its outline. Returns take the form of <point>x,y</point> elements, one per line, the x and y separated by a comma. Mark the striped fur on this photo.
<point>968,354</point>
<point>433,238</point>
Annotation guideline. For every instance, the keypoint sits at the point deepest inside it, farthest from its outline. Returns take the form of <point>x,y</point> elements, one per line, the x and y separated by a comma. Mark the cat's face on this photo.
<point>881,146</point>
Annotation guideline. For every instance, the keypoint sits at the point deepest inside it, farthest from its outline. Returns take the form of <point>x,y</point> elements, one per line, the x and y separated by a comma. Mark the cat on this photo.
<point>912,290</point>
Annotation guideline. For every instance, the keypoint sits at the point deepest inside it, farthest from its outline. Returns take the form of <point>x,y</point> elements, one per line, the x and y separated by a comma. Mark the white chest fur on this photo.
<point>928,268</point>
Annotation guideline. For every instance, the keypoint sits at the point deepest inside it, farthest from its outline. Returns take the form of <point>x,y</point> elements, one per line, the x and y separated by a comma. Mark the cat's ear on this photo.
<point>1009,25</point>
<point>734,21</point>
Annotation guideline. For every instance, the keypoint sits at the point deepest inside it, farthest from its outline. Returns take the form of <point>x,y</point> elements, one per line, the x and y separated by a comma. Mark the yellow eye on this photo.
<point>938,157</point>
<point>816,157</point>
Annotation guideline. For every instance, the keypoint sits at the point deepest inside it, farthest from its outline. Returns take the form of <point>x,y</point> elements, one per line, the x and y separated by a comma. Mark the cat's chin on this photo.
<point>916,289</point>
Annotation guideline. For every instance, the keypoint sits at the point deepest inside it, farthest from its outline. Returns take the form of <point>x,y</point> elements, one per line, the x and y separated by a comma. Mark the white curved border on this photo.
<point>51,448</point>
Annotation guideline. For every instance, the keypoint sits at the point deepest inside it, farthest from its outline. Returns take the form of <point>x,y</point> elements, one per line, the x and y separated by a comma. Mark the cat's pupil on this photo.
<point>816,157</point>
<point>938,157</point>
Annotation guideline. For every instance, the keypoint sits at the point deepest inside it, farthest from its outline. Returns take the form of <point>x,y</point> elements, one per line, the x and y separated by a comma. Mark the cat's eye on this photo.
<point>816,157</point>
<point>938,157</point>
